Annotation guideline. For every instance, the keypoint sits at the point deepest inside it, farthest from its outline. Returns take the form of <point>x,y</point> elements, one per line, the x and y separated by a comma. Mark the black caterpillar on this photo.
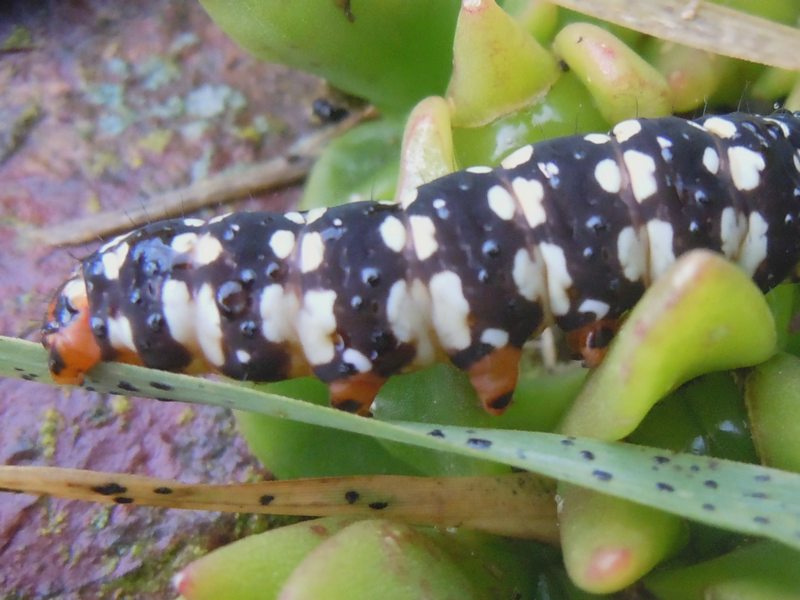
<point>568,231</point>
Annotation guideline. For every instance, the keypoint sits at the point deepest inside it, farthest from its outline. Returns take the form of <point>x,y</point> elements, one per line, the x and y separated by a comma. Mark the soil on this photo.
<point>101,105</point>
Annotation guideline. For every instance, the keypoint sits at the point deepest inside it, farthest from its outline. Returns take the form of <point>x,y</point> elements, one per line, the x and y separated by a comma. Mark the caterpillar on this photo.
<point>567,232</point>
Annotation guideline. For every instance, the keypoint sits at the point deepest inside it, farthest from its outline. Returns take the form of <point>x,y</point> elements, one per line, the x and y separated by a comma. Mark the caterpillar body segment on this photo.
<point>568,232</point>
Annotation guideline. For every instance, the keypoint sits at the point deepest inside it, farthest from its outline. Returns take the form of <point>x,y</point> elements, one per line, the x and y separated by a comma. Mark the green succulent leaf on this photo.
<point>363,49</point>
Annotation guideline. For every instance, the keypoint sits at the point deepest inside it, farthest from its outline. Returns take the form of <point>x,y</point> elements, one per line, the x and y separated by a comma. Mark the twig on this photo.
<point>223,187</point>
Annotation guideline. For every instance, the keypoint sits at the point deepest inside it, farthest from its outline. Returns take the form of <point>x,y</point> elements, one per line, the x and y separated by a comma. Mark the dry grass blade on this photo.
<point>702,25</point>
<point>518,505</point>
<point>223,187</point>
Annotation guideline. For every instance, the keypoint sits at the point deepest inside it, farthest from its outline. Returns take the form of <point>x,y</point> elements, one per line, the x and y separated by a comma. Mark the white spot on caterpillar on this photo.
<point>295,217</point>
<point>663,142</point>
<point>423,234</point>
<point>407,310</point>
<point>312,252</point>
<point>519,157</point>
<point>216,219</point>
<point>732,228</point>
<point>450,311</point>
<point>530,194</point>
<point>720,127</point>
<point>662,254</point>
<point>243,356</point>
<point>625,130</point>
<point>196,222</point>
<point>361,363</point>
<point>711,160</point>
<point>608,175</point>
<point>113,259</point>
<point>120,334</point>
<point>558,278</point>
<point>746,166</point>
<point>316,325</point>
<point>393,233</point>
<point>528,276</point>
<point>494,337</point>
<point>597,138</point>
<point>501,202</point>
<point>74,290</point>
<point>209,330</point>
<point>597,307</point>
<point>782,125</point>
<point>754,247</point>
<point>206,250</point>
<point>631,252</point>
<point>282,243</point>
<point>113,242</point>
<point>184,242</point>
<point>441,208</point>
<point>278,311</point>
<point>178,308</point>
<point>641,170</point>
<point>796,160</point>
<point>314,214</point>
<point>548,169</point>
<point>479,169</point>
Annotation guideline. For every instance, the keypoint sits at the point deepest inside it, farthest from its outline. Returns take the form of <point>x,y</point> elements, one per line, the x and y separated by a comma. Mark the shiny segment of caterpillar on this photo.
<point>568,232</point>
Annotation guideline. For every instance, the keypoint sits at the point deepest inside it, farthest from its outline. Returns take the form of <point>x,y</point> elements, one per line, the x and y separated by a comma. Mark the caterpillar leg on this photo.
<point>356,393</point>
<point>591,341</point>
<point>494,377</point>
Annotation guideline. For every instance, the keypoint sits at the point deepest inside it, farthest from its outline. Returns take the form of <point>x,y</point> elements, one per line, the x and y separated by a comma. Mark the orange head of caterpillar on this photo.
<point>67,334</point>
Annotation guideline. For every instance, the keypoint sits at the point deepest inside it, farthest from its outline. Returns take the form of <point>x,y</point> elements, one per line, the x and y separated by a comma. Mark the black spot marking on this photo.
<point>350,406</point>
<point>762,477</point>
<point>351,496</point>
<point>479,443</point>
<point>127,387</point>
<point>587,455</point>
<point>266,499</point>
<point>123,500</point>
<point>761,520</point>
<point>661,459</point>
<point>164,387</point>
<point>378,505</point>
<point>501,402</point>
<point>109,489</point>
<point>711,484</point>
<point>436,433</point>
<point>568,442</point>
<point>162,490</point>
<point>709,507</point>
<point>759,495</point>
<point>602,475</point>
<point>664,487</point>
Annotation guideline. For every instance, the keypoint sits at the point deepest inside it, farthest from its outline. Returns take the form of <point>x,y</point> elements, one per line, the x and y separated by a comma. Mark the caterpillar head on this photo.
<point>67,335</point>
